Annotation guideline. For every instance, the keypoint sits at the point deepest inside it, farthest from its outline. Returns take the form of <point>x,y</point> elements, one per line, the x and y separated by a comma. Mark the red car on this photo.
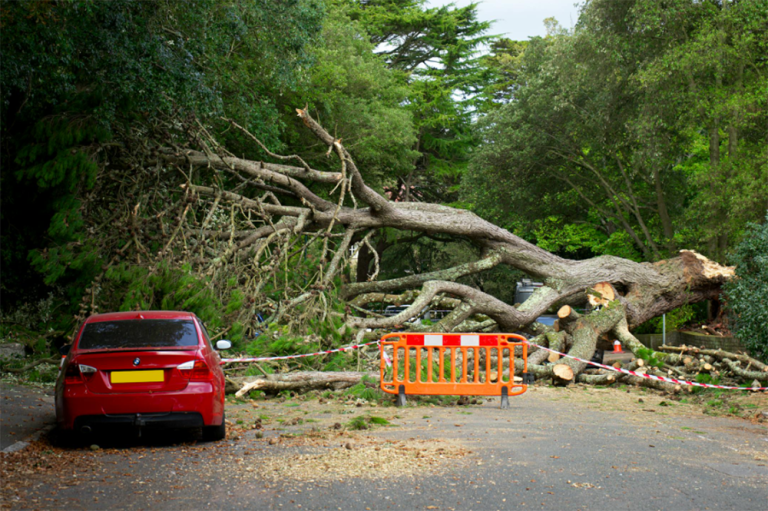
<point>152,369</point>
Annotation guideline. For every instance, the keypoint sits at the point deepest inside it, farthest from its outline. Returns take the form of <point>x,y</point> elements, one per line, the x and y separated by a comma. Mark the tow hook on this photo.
<point>139,422</point>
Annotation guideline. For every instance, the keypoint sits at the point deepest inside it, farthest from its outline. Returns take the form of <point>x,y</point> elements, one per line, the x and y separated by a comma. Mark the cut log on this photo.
<point>600,294</point>
<point>719,354</point>
<point>562,374</point>
<point>566,317</point>
<point>737,370</point>
<point>301,381</point>
<point>597,379</point>
<point>586,330</point>
<point>553,357</point>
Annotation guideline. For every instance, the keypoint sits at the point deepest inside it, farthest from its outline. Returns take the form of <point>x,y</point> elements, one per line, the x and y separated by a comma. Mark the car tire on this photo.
<point>214,433</point>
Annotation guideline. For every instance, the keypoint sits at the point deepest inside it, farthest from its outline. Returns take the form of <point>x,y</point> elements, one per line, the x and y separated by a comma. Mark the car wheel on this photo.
<point>213,433</point>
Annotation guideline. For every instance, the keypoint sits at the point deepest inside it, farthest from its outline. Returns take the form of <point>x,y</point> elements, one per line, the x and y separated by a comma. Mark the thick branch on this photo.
<point>360,189</point>
<point>253,169</point>
<point>412,281</point>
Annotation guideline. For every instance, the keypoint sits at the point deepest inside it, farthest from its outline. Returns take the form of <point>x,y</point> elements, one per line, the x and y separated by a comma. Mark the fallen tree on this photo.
<point>265,223</point>
<point>299,381</point>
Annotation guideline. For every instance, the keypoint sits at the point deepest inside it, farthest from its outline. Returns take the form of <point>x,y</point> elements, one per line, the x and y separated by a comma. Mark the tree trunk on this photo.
<point>638,291</point>
<point>300,381</point>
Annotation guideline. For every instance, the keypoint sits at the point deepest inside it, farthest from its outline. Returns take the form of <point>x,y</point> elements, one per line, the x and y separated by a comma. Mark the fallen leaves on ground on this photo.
<point>40,458</point>
<point>357,457</point>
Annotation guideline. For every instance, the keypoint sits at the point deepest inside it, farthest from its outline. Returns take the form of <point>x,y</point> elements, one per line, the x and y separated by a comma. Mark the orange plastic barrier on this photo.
<point>425,364</point>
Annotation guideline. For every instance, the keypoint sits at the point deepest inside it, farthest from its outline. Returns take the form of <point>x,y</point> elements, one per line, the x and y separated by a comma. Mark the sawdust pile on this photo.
<point>362,457</point>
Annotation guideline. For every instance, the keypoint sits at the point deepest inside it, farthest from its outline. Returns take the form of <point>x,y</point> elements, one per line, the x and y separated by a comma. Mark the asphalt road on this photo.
<point>551,450</point>
<point>23,411</point>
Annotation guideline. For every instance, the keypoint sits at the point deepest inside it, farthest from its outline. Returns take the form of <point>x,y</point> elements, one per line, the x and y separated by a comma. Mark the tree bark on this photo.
<point>301,381</point>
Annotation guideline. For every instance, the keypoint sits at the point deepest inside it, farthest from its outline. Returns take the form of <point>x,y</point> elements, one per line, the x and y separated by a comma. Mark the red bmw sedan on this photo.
<point>151,369</point>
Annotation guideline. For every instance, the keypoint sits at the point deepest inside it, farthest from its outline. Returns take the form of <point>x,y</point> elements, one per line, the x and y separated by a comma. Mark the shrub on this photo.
<point>747,294</point>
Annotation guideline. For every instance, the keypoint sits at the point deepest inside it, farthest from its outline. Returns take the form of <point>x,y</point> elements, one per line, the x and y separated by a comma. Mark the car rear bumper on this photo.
<point>76,406</point>
<point>171,420</point>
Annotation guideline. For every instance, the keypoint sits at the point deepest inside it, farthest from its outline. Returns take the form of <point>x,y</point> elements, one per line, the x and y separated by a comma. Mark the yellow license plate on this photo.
<point>137,376</point>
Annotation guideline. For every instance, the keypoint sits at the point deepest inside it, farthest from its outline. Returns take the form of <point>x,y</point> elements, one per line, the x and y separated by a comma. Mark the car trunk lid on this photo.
<point>116,372</point>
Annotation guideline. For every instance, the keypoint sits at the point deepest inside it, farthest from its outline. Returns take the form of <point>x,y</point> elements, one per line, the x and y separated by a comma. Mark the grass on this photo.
<point>358,423</point>
<point>365,422</point>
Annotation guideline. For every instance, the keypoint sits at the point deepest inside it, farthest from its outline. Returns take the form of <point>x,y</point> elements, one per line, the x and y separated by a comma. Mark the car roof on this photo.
<point>138,315</point>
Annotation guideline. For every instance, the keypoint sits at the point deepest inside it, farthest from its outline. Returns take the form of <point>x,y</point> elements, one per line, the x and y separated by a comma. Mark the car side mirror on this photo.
<point>223,345</point>
<point>64,350</point>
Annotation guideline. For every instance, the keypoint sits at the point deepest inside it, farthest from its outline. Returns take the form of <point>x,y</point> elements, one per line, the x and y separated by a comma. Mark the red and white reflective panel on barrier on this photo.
<point>451,340</point>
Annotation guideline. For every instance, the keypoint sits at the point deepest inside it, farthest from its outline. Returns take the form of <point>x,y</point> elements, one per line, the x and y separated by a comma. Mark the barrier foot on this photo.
<point>528,378</point>
<point>400,396</point>
<point>504,397</point>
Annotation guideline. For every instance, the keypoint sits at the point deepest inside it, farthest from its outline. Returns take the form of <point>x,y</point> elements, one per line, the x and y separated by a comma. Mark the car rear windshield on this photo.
<point>144,333</point>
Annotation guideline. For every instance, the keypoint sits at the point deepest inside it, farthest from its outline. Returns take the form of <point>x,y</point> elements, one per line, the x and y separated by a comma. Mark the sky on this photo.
<point>521,19</point>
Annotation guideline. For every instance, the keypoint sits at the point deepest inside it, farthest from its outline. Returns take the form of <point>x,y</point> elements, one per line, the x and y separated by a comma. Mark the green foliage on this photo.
<point>653,358</point>
<point>437,50</point>
<point>747,293</point>
<point>351,90</point>
<point>362,422</point>
<point>364,391</point>
<point>278,341</point>
<point>75,74</point>
<point>132,287</point>
<point>675,319</point>
<point>632,123</point>
<point>358,423</point>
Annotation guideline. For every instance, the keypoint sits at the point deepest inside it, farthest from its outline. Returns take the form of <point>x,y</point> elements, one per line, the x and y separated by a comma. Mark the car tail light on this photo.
<point>196,370</point>
<point>73,375</point>
<point>76,373</point>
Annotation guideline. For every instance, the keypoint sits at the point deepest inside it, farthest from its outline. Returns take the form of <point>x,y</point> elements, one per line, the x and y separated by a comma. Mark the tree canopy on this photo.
<point>629,129</point>
<point>150,148</point>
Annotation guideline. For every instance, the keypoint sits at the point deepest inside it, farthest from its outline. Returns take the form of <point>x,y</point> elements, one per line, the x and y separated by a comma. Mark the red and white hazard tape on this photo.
<point>286,357</point>
<point>480,340</point>
<point>648,376</point>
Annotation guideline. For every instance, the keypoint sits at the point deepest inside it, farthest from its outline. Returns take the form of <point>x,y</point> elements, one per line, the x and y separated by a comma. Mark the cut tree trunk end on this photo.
<point>562,374</point>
